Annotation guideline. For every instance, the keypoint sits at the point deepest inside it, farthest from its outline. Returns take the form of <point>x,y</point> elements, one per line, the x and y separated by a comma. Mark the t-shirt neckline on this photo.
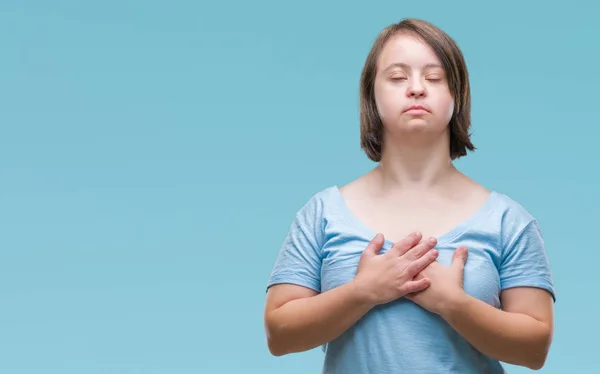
<point>448,236</point>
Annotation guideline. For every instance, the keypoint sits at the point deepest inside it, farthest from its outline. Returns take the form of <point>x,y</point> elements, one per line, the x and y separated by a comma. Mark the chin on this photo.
<point>416,124</point>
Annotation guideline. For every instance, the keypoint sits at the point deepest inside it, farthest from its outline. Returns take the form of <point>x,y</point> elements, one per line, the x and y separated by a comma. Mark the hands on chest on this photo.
<point>409,269</point>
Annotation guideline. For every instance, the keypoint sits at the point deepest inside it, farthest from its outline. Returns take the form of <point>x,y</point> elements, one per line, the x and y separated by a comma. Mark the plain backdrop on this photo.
<point>153,155</point>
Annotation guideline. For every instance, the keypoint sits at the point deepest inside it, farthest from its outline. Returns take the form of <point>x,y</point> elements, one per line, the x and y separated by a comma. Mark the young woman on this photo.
<point>413,267</point>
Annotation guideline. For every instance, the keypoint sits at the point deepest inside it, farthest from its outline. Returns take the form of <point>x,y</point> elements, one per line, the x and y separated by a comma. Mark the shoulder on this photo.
<point>318,206</point>
<point>512,217</point>
<point>510,209</point>
<point>318,200</point>
<point>312,217</point>
<point>331,202</point>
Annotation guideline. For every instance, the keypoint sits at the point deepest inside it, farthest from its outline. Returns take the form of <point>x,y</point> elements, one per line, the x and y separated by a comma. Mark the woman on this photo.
<point>413,267</point>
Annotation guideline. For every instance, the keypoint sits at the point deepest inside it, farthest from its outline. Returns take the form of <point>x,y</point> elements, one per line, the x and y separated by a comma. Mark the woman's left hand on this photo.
<point>446,283</point>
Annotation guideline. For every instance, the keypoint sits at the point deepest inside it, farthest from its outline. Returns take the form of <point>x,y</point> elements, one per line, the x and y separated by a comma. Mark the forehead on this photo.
<point>407,49</point>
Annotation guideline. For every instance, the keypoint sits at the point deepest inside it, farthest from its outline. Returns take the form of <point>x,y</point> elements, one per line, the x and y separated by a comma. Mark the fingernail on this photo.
<point>432,240</point>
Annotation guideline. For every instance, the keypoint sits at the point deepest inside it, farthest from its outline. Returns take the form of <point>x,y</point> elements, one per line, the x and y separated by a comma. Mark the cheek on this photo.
<point>444,105</point>
<point>388,104</point>
<point>380,108</point>
<point>450,111</point>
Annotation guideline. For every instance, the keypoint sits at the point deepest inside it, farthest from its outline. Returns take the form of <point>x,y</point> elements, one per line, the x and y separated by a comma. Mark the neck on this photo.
<point>416,167</point>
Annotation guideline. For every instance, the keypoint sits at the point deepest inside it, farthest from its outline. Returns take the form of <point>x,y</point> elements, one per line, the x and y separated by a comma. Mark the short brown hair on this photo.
<point>453,63</point>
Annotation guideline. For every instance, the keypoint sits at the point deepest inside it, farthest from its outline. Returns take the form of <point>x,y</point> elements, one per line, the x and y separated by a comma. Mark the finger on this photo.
<point>420,249</point>
<point>421,263</point>
<point>402,246</point>
<point>459,258</point>
<point>374,246</point>
<point>415,286</point>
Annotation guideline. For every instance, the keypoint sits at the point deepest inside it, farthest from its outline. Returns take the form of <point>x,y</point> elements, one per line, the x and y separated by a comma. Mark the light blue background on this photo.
<point>153,154</point>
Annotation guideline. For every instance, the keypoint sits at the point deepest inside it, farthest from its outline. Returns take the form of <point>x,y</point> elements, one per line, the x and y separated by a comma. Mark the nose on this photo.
<point>416,89</point>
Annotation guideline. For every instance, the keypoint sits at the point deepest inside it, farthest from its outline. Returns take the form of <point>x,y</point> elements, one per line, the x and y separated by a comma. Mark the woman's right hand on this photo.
<point>383,278</point>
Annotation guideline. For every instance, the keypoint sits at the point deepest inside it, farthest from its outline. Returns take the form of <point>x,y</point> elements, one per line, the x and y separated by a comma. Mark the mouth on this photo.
<point>417,109</point>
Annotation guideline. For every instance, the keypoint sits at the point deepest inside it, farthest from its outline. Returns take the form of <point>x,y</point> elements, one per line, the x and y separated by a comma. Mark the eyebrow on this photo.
<point>405,66</point>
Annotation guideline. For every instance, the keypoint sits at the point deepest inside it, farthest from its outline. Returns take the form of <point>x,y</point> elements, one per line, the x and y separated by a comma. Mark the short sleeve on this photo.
<point>299,259</point>
<point>525,262</point>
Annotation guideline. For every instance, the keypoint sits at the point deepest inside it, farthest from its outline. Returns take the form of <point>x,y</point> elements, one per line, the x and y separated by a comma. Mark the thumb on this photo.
<point>374,246</point>
<point>460,258</point>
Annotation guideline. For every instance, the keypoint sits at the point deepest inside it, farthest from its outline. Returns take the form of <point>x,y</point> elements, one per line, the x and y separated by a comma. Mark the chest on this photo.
<point>396,220</point>
<point>481,275</point>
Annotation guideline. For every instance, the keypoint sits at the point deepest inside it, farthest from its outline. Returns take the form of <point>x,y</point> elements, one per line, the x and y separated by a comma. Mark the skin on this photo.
<point>415,188</point>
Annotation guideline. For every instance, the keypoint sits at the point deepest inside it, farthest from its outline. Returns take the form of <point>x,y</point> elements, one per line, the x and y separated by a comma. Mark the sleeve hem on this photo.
<point>279,279</point>
<point>537,282</point>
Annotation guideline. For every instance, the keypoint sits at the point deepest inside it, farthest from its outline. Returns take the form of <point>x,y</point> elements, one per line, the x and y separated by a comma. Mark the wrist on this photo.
<point>360,295</point>
<point>454,305</point>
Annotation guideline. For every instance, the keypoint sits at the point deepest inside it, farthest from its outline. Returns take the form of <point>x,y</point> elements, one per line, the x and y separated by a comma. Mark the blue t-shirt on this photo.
<point>322,249</point>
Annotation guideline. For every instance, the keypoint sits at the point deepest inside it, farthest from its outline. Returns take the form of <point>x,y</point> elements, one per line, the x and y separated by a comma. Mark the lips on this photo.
<point>417,108</point>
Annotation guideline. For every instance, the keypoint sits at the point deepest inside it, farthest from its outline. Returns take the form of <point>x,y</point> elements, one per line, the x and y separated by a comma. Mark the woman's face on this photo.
<point>411,90</point>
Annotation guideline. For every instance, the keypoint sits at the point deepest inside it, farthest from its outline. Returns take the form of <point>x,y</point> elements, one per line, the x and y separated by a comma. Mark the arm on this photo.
<point>298,318</point>
<point>520,334</point>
